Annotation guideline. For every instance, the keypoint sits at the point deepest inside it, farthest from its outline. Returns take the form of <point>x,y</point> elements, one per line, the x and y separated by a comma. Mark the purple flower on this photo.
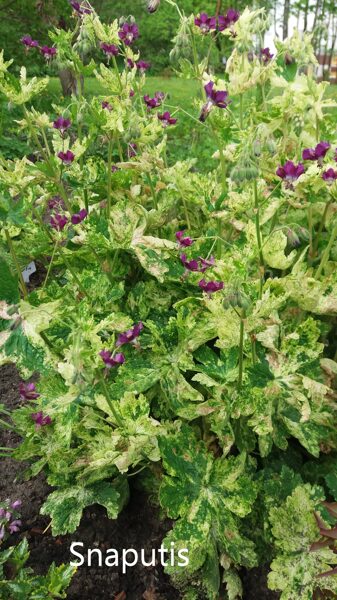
<point>229,19</point>
<point>14,526</point>
<point>316,153</point>
<point>110,360</point>
<point>16,504</point>
<point>266,55</point>
<point>130,335</point>
<point>48,52</point>
<point>290,172</point>
<point>109,49</point>
<point>205,23</point>
<point>143,66</point>
<point>210,286</point>
<point>155,101</point>
<point>128,33</point>
<point>29,42</point>
<point>106,105</point>
<point>62,124</point>
<point>214,98</point>
<point>199,264</point>
<point>58,222</point>
<point>330,175</point>
<point>79,217</point>
<point>40,420</point>
<point>56,202</point>
<point>166,119</point>
<point>114,168</point>
<point>131,93</point>
<point>28,391</point>
<point>184,241</point>
<point>66,157</point>
<point>132,150</point>
<point>79,8</point>
<point>130,63</point>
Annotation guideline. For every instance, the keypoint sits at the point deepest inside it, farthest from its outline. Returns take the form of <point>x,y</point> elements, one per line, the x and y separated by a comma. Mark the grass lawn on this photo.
<point>187,137</point>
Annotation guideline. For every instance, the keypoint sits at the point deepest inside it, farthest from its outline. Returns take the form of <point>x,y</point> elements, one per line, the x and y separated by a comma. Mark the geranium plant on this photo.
<point>183,332</point>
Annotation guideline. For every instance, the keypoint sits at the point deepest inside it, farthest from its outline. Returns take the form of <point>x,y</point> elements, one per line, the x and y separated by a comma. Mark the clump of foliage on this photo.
<point>184,331</point>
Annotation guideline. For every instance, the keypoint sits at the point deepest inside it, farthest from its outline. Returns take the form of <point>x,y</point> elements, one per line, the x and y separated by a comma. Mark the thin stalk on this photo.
<point>326,252</point>
<point>241,111</point>
<point>321,226</point>
<point>110,403</point>
<point>310,227</point>
<point>109,177</point>
<point>6,425</point>
<point>117,73</point>
<point>69,267</point>
<point>153,191</point>
<point>50,264</point>
<point>258,234</point>
<point>242,331</point>
<point>16,262</point>
<point>187,218</point>
<point>43,225</point>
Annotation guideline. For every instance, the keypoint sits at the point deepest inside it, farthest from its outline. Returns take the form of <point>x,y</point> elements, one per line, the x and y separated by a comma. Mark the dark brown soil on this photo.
<point>138,526</point>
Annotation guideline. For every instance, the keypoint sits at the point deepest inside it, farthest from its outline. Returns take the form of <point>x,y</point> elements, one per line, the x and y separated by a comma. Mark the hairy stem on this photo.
<point>16,263</point>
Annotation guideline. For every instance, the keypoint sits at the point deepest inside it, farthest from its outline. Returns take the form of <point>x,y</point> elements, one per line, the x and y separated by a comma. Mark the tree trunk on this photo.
<point>286,14</point>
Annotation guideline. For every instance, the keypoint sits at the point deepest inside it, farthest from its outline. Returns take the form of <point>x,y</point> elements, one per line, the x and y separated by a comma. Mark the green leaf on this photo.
<point>9,288</point>
<point>65,506</point>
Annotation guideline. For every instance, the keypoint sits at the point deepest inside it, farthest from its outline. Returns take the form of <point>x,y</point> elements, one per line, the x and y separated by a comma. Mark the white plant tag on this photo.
<point>28,271</point>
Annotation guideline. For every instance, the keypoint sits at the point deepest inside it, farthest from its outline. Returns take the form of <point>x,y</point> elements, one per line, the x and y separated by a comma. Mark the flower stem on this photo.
<point>110,403</point>
<point>242,331</point>
<point>321,226</point>
<point>50,265</point>
<point>109,177</point>
<point>326,252</point>
<point>16,262</point>
<point>258,234</point>
<point>241,111</point>
<point>117,73</point>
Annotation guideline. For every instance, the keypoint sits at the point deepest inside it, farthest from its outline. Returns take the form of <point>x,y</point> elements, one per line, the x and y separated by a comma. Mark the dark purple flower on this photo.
<point>48,52</point>
<point>114,168</point>
<point>143,66</point>
<point>316,153</point>
<point>290,172</point>
<point>214,98</point>
<point>79,217</point>
<point>199,264</point>
<point>205,23</point>
<point>210,286</point>
<point>56,202</point>
<point>79,8</point>
<point>266,55</point>
<point>28,391</point>
<point>130,63</point>
<point>66,157</point>
<point>109,49</point>
<point>132,150</point>
<point>106,105</point>
<point>110,360</point>
<point>184,241</point>
<point>155,101</point>
<point>128,33</point>
<point>225,21</point>
<point>40,420</point>
<point>130,335</point>
<point>166,119</point>
<point>58,222</point>
<point>29,42</point>
<point>14,526</point>
<point>62,124</point>
<point>330,175</point>
<point>131,93</point>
